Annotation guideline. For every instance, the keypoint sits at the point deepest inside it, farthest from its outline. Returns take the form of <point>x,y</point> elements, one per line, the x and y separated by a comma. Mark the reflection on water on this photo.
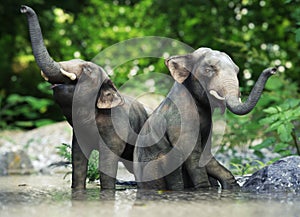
<point>52,196</point>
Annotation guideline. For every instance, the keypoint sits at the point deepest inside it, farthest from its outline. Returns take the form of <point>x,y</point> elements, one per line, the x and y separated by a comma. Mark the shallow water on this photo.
<point>51,196</point>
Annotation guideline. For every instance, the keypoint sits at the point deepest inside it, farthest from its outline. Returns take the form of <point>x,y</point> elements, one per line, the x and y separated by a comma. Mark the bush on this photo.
<point>23,111</point>
<point>269,132</point>
<point>64,150</point>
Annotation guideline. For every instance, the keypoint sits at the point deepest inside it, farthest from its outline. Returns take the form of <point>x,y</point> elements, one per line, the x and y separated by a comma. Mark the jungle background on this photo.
<point>256,34</point>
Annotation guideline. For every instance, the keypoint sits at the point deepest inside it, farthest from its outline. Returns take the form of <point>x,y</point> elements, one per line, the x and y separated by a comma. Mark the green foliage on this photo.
<point>274,121</point>
<point>23,111</point>
<point>82,30</point>
<point>93,171</point>
<point>282,121</point>
<point>64,150</point>
<point>249,167</point>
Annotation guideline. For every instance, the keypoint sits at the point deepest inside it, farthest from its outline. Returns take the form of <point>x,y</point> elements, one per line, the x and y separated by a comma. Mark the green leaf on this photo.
<point>265,144</point>
<point>271,110</point>
<point>14,99</point>
<point>284,133</point>
<point>274,126</point>
<point>281,147</point>
<point>292,102</point>
<point>285,153</point>
<point>259,154</point>
<point>24,123</point>
<point>269,119</point>
<point>43,122</point>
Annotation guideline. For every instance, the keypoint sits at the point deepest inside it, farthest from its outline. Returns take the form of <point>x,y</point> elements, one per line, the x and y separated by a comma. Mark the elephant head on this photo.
<point>217,74</point>
<point>64,75</point>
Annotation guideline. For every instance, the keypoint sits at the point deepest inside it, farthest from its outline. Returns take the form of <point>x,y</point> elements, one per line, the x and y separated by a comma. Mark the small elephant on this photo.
<point>176,154</point>
<point>101,117</point>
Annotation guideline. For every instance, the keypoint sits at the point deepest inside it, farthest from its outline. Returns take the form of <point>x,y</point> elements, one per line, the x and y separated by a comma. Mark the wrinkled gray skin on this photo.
<point>84,115</point>
<point>96,100</point>
<point>205,79</point>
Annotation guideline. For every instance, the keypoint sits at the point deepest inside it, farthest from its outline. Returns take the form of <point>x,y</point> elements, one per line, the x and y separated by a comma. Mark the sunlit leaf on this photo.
<point>271,110</point>
<point>265,144</point>
<point>284,133</point>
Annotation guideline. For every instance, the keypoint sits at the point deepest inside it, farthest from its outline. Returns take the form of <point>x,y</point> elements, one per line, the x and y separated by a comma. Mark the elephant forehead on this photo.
<point>220,59</point>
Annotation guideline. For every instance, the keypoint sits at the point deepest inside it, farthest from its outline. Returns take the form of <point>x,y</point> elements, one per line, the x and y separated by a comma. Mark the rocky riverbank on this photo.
<point>23,152</point>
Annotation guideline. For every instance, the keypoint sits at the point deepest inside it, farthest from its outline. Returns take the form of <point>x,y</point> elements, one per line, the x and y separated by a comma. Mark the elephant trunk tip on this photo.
<point>23,9</point>
<point>270,71</point>
<point>26,10</point>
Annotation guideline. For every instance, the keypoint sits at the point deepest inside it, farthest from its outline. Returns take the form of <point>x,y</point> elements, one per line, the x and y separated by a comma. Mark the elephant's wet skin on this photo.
<point>178,155</point>
<point>89,100</point>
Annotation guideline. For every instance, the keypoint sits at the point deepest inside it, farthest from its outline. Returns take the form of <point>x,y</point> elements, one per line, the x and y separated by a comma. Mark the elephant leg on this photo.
<point>213,182</point>
<point>79,165</point>
<point>189,184</point>
<point>186,178</point>
<point>108,166</point>
<point>198,175</point>
<point>174,180</point>
<point>223,175</point>
<point>151,176</point>
<point>158,184</point>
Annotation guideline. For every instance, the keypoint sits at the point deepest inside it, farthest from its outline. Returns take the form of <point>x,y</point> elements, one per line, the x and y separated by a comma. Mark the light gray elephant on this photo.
<point>176,154</point>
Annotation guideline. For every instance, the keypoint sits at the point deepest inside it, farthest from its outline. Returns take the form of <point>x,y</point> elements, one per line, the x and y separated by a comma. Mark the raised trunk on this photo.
<point>235,106</point>
<point>49,67</point>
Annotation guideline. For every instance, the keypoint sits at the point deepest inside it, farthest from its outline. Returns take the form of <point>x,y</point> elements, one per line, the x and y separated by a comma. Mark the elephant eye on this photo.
<point>209,70</point>
<point>108,94</point>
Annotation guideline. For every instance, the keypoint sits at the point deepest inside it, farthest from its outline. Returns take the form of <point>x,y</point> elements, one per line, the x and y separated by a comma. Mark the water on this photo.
<point>52,196</point>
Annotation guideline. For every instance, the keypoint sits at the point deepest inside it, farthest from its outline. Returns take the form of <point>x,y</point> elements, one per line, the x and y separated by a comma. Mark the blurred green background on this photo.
<point>256,34</point>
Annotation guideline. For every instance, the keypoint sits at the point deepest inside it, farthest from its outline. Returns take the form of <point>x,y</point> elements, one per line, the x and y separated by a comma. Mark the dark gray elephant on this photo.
<point>102,118</point>
<point>173,150</point>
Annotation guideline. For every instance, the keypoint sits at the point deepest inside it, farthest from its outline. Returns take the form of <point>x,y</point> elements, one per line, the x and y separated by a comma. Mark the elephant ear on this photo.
<point>109,97</point>
<point>94,78</point>
<point>180,67</point>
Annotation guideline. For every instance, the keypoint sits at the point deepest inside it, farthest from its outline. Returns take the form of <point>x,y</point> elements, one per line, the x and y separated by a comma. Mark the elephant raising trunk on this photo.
<point>217,74</point>
<point>51,69</point>
<point>235,106</point>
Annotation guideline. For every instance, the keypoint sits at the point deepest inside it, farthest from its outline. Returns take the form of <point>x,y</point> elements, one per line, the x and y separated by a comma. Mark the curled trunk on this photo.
<point>49,67</point>
<point>235,106</point>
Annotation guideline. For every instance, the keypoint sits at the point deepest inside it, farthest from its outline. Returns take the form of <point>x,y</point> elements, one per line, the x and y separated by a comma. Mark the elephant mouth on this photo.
<point>53,86</point>
<point>57,86</point>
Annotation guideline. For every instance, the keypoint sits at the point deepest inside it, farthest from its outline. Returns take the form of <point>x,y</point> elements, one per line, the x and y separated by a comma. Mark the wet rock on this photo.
<point>15,163</point>
<point>282,175</point>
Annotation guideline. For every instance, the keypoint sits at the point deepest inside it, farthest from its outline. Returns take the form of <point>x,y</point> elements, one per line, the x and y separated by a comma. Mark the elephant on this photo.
<point>177,154</point>
<point>101,117</point>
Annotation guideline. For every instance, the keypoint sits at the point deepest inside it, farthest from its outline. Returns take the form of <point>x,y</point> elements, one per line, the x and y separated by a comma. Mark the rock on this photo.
<point>40,144</point>
<point>282,175</point>
<point>3,165</point>
<point>15,163</point>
